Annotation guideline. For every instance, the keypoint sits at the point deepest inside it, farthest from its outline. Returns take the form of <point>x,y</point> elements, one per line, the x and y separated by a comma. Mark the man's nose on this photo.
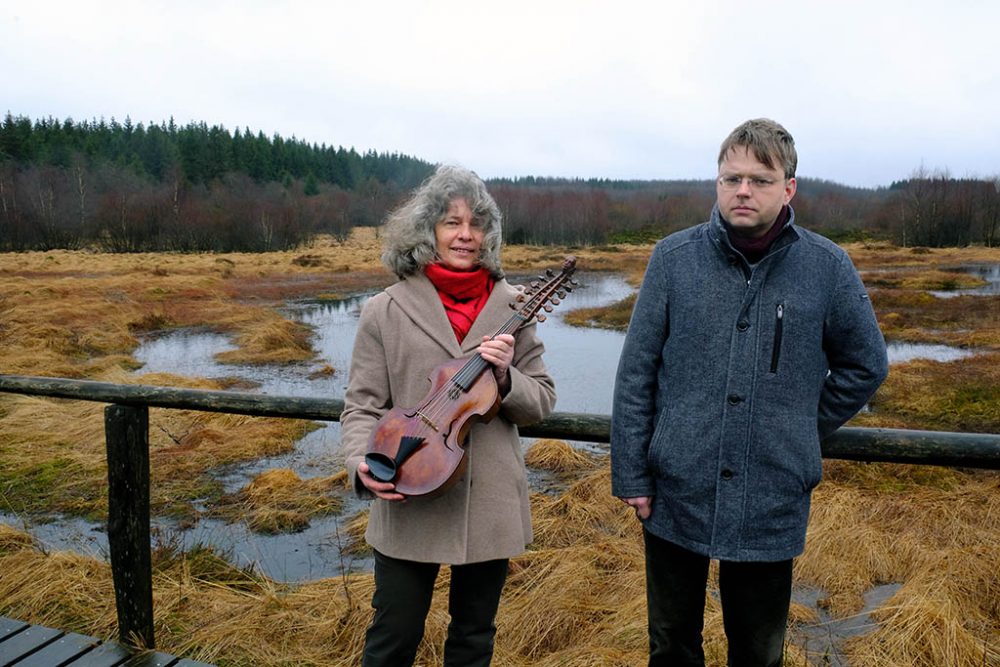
<point>744,189</point>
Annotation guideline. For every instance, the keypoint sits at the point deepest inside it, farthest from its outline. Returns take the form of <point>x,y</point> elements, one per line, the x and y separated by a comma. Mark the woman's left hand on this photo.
<point>499,351</point>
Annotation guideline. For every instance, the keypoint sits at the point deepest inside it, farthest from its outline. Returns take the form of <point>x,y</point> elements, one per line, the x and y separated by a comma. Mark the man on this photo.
<point>752,339</point>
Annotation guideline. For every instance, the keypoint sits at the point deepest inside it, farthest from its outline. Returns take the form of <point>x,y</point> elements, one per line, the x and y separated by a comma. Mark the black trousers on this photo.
<point>755,599</point>
<point>402,598</point>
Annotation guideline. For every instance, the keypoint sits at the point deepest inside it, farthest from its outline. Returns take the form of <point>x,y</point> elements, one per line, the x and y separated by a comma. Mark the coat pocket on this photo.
<point>779,326</point>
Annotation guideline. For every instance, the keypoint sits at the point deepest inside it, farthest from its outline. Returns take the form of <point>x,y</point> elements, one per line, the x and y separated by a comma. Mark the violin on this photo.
<point>422,449</point>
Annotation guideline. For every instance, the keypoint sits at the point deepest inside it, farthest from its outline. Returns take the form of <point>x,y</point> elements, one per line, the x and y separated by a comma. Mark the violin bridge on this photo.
<point>427,421</point>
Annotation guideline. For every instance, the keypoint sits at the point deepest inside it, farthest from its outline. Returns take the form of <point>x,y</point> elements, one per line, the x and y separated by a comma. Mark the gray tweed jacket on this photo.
<point>730,376</point>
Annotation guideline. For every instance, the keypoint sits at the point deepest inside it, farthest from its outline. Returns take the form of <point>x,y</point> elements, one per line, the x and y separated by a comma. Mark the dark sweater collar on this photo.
<point>754,249</point>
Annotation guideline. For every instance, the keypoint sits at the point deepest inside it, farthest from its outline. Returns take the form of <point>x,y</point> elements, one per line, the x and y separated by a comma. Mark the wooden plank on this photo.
<point>108,654</point>
<point>25,645</point>
<point>61,652</point>
<point>152,659</point>
<point>9,626</point>
<point>26,642</point>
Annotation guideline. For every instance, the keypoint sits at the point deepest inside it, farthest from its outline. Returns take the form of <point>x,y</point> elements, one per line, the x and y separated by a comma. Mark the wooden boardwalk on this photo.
<point>25,645</point>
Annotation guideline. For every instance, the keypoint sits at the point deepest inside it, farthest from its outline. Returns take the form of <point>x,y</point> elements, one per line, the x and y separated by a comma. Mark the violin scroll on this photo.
<point>538,296</point>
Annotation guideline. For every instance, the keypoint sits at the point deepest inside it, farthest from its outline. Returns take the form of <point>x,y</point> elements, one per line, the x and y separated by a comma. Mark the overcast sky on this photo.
<point>870,90</point>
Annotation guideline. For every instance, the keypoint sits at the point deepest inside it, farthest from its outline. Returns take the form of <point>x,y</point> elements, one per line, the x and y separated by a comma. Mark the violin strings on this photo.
<point>463,379</point>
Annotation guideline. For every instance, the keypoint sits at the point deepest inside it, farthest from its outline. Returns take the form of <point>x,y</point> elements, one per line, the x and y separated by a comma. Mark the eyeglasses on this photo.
<point>733,182</point>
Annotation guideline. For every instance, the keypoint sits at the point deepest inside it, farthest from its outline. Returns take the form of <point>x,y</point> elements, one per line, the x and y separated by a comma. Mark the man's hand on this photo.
<point>643,506</point>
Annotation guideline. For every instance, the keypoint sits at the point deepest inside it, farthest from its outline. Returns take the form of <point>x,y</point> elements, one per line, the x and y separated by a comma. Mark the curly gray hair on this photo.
<point>410,243</point>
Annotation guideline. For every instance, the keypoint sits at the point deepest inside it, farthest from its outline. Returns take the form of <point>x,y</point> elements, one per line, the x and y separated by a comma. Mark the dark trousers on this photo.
<point>402,598</point>
<point>755,599</point>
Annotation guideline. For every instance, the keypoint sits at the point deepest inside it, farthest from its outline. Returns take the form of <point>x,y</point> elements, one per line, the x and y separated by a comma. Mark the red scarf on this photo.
<point>463,294</point>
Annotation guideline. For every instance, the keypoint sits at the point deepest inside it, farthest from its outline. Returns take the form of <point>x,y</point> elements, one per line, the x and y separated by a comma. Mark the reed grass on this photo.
<point>279,501</point>
<point>557,456</point>
<point>577,596</point>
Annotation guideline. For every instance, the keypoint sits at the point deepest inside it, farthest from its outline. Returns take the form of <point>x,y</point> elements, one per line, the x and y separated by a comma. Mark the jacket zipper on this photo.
<point>779,317</point>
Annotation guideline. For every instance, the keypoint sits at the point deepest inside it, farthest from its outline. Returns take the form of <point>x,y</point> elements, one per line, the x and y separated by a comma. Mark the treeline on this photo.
<point>127,187</point>
<point>927,209</point>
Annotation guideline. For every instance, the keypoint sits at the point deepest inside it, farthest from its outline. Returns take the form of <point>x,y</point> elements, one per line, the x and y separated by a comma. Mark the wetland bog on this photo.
<point>926,537</point>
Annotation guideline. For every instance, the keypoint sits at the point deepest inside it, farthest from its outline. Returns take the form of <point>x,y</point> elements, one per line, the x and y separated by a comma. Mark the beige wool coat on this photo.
<point>403,335</point>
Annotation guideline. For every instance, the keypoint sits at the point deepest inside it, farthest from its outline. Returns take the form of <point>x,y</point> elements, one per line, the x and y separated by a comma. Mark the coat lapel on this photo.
<point>419,301</point>
<point>491,318</point>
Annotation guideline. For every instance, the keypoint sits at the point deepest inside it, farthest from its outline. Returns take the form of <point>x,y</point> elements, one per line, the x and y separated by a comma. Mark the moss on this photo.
<point>57,485</point>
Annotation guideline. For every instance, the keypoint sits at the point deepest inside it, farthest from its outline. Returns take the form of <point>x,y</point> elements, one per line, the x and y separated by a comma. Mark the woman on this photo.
<point>444,245</point>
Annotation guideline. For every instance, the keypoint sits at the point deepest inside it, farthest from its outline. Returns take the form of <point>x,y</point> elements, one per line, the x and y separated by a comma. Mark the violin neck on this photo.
<point>475,366</point>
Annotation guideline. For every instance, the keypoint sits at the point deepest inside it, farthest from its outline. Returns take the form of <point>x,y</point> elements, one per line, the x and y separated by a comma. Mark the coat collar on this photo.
<point>717,232</point>
<point>418,299</point>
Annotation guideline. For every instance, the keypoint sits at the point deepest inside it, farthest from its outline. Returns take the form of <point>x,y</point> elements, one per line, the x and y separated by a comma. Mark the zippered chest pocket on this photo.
<point>779,326</point>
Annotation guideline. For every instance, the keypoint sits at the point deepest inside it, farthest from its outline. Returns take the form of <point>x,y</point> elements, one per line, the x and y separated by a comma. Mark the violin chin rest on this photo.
<point>381,467</point>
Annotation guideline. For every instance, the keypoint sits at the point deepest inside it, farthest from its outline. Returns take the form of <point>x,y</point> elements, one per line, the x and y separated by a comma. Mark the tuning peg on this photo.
<point>535,284</point>
<point>550,273</point>
<point>520,298</point>
<point>547,308</point>
<point>561,293</point>
<point>542,278</point>
<point>568,288</point>
<point>574,282</point>
<point>555,301</point>
<point>513,306</point>
<point>540,317</point>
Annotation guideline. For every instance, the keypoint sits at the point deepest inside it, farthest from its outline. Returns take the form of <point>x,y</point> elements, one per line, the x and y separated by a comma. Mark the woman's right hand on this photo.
<point>383,490</point>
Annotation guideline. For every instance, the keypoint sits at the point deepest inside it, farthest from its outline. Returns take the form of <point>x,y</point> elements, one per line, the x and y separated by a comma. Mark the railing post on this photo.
<point>127,433</point>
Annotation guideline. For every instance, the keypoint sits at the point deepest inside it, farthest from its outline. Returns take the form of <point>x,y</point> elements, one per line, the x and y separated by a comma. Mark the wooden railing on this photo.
<point>126,422</point>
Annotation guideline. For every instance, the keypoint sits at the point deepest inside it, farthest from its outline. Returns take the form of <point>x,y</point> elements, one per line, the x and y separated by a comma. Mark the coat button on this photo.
<point>734,399</point>
<point>742,325</point>
<point>727,473</point>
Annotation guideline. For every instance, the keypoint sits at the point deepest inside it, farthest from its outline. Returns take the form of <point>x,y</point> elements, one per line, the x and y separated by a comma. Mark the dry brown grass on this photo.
<point>628,259</point>
<point>271,343</point>
<point>577,597</point>
<point>962,395</point>
<point>616,316</point>
<point>279,501</point>
<point>557,456</point>
<point>52,452</point>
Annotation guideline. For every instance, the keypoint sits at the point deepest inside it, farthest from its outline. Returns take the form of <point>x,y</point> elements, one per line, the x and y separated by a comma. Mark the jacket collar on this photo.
<point>717,232</point>
<point>418,299</point>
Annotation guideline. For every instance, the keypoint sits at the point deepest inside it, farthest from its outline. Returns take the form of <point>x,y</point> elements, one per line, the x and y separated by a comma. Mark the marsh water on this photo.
<point>988,272</point>
<point>582,362</point>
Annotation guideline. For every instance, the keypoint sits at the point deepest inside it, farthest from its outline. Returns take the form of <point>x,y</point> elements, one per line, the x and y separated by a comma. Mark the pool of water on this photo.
<point>988,272</point>
<point>583,363</point>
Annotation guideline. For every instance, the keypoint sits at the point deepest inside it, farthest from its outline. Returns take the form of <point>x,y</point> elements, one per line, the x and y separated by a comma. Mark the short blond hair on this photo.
<point>768,141</point>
